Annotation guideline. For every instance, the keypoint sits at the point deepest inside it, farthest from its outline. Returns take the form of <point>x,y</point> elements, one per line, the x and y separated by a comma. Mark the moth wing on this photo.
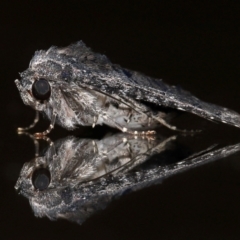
<point>111,79</point>
<point>174,97</point>
<point>143,88</point>
<point>82,54</point>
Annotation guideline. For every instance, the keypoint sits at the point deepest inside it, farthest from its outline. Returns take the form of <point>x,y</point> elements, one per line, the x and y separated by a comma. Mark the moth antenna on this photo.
<point>47,131</point>
<point>35,121</point>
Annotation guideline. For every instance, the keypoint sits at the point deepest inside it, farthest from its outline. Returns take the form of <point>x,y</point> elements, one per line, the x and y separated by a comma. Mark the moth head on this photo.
<point>40,85</point>
<point>35,177</point>
<point>35,91</point>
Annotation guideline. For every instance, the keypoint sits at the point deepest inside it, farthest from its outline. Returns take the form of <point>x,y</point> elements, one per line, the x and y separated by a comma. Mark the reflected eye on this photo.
<point>41,89</point>
<point>41,179</point>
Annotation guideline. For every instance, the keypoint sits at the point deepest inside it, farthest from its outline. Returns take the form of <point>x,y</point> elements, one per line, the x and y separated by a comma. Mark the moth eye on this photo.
<point>41,179</point>
<point>41,89</point>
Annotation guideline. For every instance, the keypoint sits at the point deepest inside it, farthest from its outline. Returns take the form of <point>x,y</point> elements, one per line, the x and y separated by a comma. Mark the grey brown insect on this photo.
<point>75,178</point>
<point>74,86</point>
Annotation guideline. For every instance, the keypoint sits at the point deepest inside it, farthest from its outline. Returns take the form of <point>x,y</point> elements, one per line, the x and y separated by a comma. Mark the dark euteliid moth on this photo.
<point>74,86</point>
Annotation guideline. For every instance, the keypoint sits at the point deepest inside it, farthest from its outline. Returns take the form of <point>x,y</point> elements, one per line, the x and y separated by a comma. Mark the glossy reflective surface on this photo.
<point>192,45</point>
<point>87,175</point>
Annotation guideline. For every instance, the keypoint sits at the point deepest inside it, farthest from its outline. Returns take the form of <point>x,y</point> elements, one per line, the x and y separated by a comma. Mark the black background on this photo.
<point>192,44</point>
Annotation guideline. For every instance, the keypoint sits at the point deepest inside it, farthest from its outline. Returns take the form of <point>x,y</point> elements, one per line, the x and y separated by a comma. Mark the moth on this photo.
<point>75,177</point>
<point>74,86</point>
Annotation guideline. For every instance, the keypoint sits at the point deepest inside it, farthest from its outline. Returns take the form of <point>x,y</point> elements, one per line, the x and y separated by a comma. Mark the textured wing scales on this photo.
<point>113,80</point>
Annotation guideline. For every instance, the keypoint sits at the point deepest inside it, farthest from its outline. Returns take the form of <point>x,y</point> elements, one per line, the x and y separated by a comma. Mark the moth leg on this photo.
<point>95,148</point>
<point>35,121</point>
<point>51,126</point>
<point>164,123</point>
<point>128,147</point>
<point>95,119</point>
<point>35,141</point>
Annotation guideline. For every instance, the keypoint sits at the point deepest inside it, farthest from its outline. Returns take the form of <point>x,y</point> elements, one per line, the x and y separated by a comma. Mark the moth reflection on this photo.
<point>78,177</point>
<point>71,161</point>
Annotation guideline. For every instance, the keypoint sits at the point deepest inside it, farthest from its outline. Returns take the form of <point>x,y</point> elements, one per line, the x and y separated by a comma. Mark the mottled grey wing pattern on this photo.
<point>96,71</point>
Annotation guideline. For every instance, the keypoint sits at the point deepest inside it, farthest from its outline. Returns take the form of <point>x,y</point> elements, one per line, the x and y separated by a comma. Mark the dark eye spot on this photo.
<point>41,89</point>
<point>41,179</point>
